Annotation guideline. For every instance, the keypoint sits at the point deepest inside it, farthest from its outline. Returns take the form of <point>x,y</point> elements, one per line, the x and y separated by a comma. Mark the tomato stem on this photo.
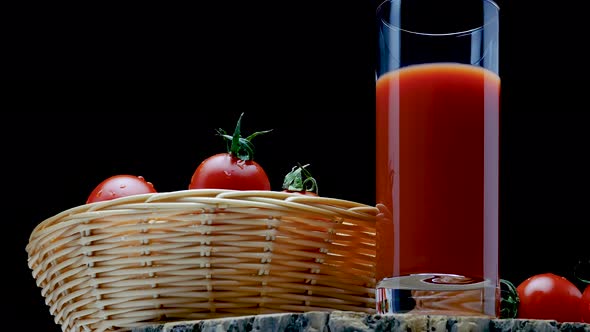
<point>298,178</point>
<point>239,147</point>
<point>582,271</point>
<point>509,299</point>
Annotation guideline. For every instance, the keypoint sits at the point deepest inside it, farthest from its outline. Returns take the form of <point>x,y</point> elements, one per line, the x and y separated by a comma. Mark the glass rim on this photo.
<point>444,34</point>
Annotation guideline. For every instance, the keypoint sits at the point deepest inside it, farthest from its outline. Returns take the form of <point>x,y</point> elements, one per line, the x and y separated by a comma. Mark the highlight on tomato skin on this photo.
<point>121,185</point>
<point>549,296</point>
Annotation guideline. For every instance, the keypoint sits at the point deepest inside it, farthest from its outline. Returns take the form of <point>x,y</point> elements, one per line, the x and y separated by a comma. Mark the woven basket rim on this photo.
<point>353,207</point>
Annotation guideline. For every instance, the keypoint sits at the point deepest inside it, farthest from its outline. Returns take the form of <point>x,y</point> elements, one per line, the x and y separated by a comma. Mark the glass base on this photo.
<point>437,294</point>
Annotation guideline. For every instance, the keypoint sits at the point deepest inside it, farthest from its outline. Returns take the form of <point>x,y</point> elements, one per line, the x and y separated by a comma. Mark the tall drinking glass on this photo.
<point>437,126</point>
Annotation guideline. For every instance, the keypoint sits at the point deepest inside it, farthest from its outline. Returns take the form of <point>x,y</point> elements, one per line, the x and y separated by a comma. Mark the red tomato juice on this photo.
<point>437,170</point>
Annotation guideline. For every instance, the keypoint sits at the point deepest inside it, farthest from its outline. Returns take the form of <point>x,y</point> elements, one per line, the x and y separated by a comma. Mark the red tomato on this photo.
<point>549,296</point>
<point>120,186</point>
<point>307,193</point>
<point>224,171</point>
<point>586,305</point>
<point>234,169</point>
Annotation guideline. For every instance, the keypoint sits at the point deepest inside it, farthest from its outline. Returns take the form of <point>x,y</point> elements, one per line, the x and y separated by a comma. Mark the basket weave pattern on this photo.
<point>199,254</point>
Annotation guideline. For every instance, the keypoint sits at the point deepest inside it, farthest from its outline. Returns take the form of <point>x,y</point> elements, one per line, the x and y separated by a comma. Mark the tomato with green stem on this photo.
<point>120,186</point>
<point>234,169</point>
<point>299,180</point>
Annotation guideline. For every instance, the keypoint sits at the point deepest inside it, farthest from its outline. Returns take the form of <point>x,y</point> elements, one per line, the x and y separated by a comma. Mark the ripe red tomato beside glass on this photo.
<point>549,296</point>
<point>586,305</point>
<point>120,186</point>
<point>234,169</point>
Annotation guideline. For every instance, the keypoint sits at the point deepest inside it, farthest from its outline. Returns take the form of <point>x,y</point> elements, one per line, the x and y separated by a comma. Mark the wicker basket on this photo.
<point>198,254</point>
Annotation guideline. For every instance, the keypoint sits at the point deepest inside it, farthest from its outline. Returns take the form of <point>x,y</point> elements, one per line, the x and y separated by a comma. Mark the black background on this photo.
<point>97,93</point>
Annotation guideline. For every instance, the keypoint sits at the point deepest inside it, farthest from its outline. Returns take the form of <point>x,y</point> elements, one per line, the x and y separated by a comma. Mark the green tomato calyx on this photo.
<point>238,146</point>
<point>300,179</point>
<point>509,299</point>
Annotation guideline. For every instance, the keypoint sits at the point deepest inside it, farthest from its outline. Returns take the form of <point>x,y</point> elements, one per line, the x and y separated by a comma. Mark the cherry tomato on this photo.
<point>586,305</point>
<point>234,169</point>
<point>224,171</point>
<point>549,296</point>
<point>306,193</point>
<point>300,181</point>
<point>120,186</point>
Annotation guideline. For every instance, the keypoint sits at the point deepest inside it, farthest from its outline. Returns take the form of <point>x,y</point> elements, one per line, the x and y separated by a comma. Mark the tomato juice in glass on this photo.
<point>437,159</point>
